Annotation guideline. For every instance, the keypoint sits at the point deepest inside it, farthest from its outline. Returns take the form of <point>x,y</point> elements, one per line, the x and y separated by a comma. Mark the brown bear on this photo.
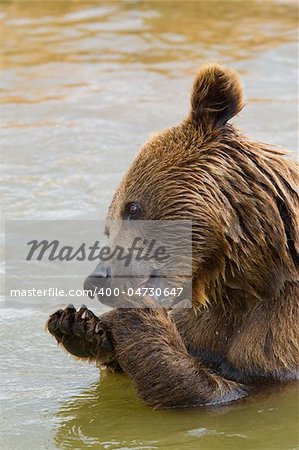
<point>242,198</point>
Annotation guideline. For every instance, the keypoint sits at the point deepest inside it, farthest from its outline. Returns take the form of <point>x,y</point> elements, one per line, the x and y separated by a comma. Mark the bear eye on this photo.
<point>132,210</point>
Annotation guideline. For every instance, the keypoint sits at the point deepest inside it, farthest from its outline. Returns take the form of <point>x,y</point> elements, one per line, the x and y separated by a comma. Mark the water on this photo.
<point>82,85</point>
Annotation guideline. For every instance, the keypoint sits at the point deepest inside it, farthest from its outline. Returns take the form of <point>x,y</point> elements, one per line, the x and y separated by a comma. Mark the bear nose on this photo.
<point>97,279</point>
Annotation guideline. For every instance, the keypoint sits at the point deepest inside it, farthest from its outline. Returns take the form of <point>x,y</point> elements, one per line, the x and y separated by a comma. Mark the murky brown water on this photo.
<point>82,85</point>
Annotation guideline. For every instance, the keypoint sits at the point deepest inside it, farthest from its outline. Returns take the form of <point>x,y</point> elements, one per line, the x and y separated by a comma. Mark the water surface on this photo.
<point>82,86</point>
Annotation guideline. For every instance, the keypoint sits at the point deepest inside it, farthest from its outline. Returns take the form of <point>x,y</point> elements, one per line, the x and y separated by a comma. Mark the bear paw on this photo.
<point>83,334</point>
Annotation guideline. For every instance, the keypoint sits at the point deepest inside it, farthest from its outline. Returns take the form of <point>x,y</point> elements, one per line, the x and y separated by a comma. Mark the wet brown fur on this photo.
<point>242,197</point>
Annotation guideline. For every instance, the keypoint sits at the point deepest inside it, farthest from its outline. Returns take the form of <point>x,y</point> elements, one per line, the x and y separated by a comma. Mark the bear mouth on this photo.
<point>152,285</point>
<point>154,288</point>
<point>157,285</point>
<point>151,281</point>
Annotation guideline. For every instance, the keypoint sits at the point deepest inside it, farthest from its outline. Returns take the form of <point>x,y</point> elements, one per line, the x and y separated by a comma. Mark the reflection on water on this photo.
<point>82,85</point>
<point>146,33</point>
<point>99,416</point>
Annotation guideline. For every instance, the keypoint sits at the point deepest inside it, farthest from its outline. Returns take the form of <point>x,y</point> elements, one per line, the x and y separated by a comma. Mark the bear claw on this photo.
<point>81,332</point>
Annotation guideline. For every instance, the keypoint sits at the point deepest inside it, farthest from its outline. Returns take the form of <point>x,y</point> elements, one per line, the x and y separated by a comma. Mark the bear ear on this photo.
<point>217,96</point>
